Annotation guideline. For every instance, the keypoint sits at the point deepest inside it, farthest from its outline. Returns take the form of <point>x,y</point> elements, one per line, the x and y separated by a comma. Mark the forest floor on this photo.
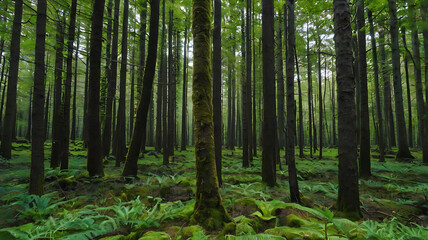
<point>158,204</point>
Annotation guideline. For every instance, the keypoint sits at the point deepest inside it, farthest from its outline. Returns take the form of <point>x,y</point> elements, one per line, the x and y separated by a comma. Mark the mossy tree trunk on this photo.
<point>10,112</point>
<point>209,211</point>
<point>139,131</point>
<point>37,146</point>
<point>217,106</point>
<point>348,202</point>
<point>95,163</point>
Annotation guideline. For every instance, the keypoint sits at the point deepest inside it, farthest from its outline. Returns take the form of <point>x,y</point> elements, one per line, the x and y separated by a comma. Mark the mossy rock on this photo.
<point>190,231</point>
<point>155,235</point>
<point>296,233</point>
<point>186,212</point>
<point>292,220</point>
<point>117,237</point>
<point>132,236</point>
<point>229,229</point>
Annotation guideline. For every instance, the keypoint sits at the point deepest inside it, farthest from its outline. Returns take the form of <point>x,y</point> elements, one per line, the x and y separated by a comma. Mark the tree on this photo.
<point>269,115</point>
<point>216,66</point>
<point>364,96</point>
<point>184,98</point>
<point>403,148</point>
<point>121,116</point>
<point>280,88</point>
<point>291,107</point>
<point>209,211</point>
<point>111,82</point>
<point>37,145</point>
<point>10,112</point>
<point>348,202</point>
<point>406,70</point>
<point>139,131</point>
<point>377,89</point>
<point>76,59</point>
<point>94,160</point>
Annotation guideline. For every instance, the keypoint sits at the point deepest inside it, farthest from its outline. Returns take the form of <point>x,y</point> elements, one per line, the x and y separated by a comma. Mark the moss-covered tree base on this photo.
<point>210,218</point>
<point>351,215</point>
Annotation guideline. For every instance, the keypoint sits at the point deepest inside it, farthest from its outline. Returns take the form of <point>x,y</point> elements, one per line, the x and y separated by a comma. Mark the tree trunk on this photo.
<point>280,88</point>
<point>216,66</point>
<point>37,146</point>
<point>389,118</point>
<point>76,59</point>
<point>233,82</point>
<point>364,163</point>
<point>121,116</point>
<point>46,119</point>
<point>422,118</point>
<point>403,148</point>
<point>67,88</point>
<point>160,92</point>
<point>209,211</point>
<point>254,122</point>
<point>57,117</point>
<point>301,134</point>
<point>142,45</point>
<point>424,15</point>
<point>348,202</point>
<point>320,95</point>
<point>10,112</point>
<point>291,107</point>
<point>95,163</point>
<point>85,104</point>
<point>309,91</point>
<point>139,131</point>
<point>184,98</point>
<point>268,155</point>
<point>28,136</point>
<point>164,85</point>
<point>131,100</point>
<point>111,82</point>
<point>377,90</point>
<point>409,103</point>
<point>248,60</point>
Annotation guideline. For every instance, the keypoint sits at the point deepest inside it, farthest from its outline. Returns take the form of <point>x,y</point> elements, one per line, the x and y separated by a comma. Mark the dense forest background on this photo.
<point>172,119</point>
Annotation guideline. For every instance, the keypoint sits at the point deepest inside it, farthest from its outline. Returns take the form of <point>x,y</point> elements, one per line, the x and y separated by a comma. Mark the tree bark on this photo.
<point>111,82</point>
<point>268,155</point>
<point>403,148</point>
<point>209,211</point>
<point>46,119</point>
<point>377,90</point>
<point>76,59</point>
<point>184,98</point>
<point>291,107</point>
<point>37,146</point>
<point>28,136</point>
<point>320,107</point>
<point>309,91</point>
<point>139,131</point>
<point>348,203</point>
<point>10,112</point>
<point>216,66</point>
<point>280,87</point>
<point>95,163</point>
<point>364,163</point>
<point>301,134</point>
<point>409,103</point>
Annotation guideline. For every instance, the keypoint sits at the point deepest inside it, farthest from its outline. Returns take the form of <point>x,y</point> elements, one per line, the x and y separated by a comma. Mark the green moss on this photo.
<point>292,220</point>
<point>229,229</point>
<point>210,218</point>
<point>165,191</point>
<point>155,235</point>
<point>351,215</point>
<point>190,231</point>
<point>296,233</point>
<point>117,237</point>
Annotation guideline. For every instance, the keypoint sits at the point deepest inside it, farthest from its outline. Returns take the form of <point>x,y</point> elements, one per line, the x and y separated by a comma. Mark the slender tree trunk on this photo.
<point>164,73</point>
<point>348,202</point>
<point>46,119</point>
<point>233,82</point>
<point>377,90</point>
<point>389,117</point>
<point>424,15</point>
<point>309,91</point>
<point>57,117</point>
<point>301,134</point>
<point>121,116</point>
<point>184,98</point>
<point>422,118</point>
<point>160,89</point>
<point>409,102</point>
<point>3,77</point>
<point>403,148</point>
<point>333,108</point>
<point>95,164</point>
<point>85,104</point>
<point>216,66</point>
<point>254,132</point>
<point>280,88</point>
<point>142,45</point>
<point>76,59</point>
<point>37,146</point>
<point>28,136</point>
<point>268,155</point>
<point>291,107</point>
<point>111,82</point>
<point>67,88</point>
<point>320,96</point>
<point>364,163</point>
<point>248,60</point>
<point>131,100</point>
<point>10,112</point>
<point>139,131</point>
<point>209,211</point>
